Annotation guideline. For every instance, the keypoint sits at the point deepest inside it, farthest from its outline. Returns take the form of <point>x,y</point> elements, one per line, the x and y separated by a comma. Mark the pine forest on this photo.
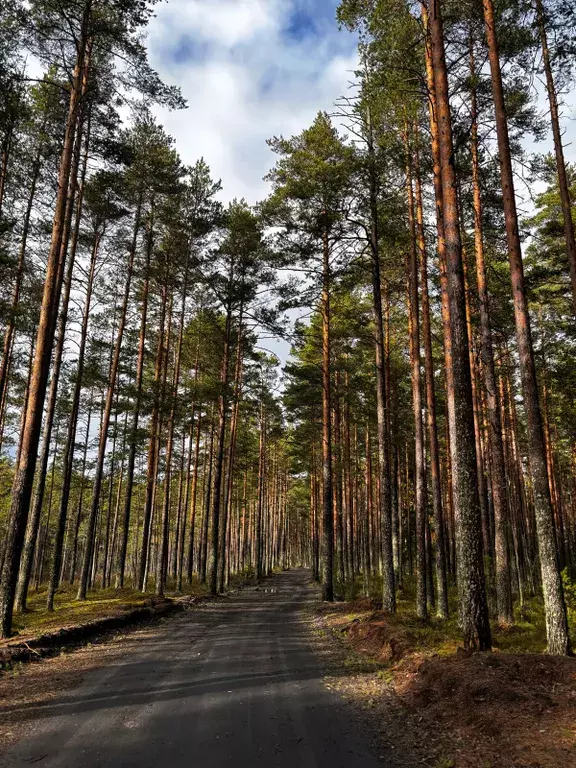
<point>415,253</point>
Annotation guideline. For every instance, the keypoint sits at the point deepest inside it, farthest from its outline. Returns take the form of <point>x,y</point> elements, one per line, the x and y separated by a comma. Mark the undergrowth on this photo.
<point>100,603</point>
<point>443,637</point>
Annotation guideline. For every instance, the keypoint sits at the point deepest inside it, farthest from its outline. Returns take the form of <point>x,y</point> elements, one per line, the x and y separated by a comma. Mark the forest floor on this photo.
<point>512,708</point>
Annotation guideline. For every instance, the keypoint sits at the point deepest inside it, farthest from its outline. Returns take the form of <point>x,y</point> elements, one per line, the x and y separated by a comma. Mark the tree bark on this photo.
<point>555,608</point>
<point>98,472</point>
<point>327,494</point>
<point>440,554</point>
<point>497,463</point>
<point>471,582</point>
<point>208,464</point>
<point>31,534</point>
<point>193,495</point>
<point>421,501</point>
<point>231,451</point>
<point>152,446</point>
<point>164,530</point>
<point>218,469</point>
<point>68,459</point>
<point>261,502</point>
<point>388,584</point>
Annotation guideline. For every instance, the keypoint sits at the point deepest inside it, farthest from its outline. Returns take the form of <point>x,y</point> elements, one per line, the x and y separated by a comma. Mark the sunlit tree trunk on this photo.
<point>152,459</point>
<point>327,517</point>
<point>193,496</point>
<point>164,525</point>
<point>388,585</point>
<point>471,582</point>
<point>136,407</point>
<point>417,402</point>
<point>556,619</point>
<point>98,472</point>
<point>38,498</point>
<point>224,554</point>
<point>68,459</point>
<point>24,471</point>
<point>440,557</point>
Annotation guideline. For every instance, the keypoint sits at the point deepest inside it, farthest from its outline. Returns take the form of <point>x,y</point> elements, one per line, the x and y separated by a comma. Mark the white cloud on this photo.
<point>226,22</point>
<point>250,69</point>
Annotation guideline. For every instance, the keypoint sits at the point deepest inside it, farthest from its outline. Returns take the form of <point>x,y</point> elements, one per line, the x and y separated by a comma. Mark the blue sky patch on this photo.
<point>299,26</point>
<point>187,49</point>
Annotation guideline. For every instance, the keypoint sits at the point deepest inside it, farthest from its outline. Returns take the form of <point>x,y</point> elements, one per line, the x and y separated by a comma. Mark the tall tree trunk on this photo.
<point>218,470</point>
<point>186,481</point>
<point>482,485</point>
<point>24,471</point>
<point>34,519</point>
<point>555,608</point>
<point>338,499</point>
<point>78,519</point>
<point>133,439</point>
<point>497,463</point>
<point>440,559</point>
<point>558,151</point>
<point>261,502</point>
<point>327,517</point>
<point>41,548</point>
<point>103,439</point>
<point>68,460</point>
<point>231,452</point>
<point>420,501</point>
<point>152,445</point>
<point>441,247</point>
<point>349,494</point>
<point>471,582</point>
<point>111,473</point>
<point>164,526</point>
<point>388,585</point>
<point>157,524</point>
<point>193,496</point>
<point>207,488</point>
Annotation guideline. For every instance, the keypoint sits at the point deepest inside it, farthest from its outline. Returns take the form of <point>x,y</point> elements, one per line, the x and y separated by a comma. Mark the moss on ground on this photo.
<point>515,707</point>
<point>442,637</point>
<point>100,603</point>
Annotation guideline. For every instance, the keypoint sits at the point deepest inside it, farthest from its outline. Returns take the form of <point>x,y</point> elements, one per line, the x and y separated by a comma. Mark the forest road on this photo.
<point>232,683</point>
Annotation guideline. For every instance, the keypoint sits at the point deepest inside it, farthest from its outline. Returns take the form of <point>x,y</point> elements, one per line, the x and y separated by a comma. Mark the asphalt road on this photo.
<point>231,683</point>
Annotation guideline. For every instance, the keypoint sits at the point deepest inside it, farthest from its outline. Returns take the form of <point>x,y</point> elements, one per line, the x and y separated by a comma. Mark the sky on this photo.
<point>249,69</point>
<point>252,69</point>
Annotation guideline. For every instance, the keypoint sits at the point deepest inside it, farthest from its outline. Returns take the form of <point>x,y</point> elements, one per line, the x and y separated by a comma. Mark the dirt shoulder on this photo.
<point>432,704</point>
<point>27,689</point>
<point>76,639</point>
<point>38,642</point>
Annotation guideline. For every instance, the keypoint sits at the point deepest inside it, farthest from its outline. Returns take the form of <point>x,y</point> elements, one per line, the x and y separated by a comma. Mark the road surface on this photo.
<point>233,683</point>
